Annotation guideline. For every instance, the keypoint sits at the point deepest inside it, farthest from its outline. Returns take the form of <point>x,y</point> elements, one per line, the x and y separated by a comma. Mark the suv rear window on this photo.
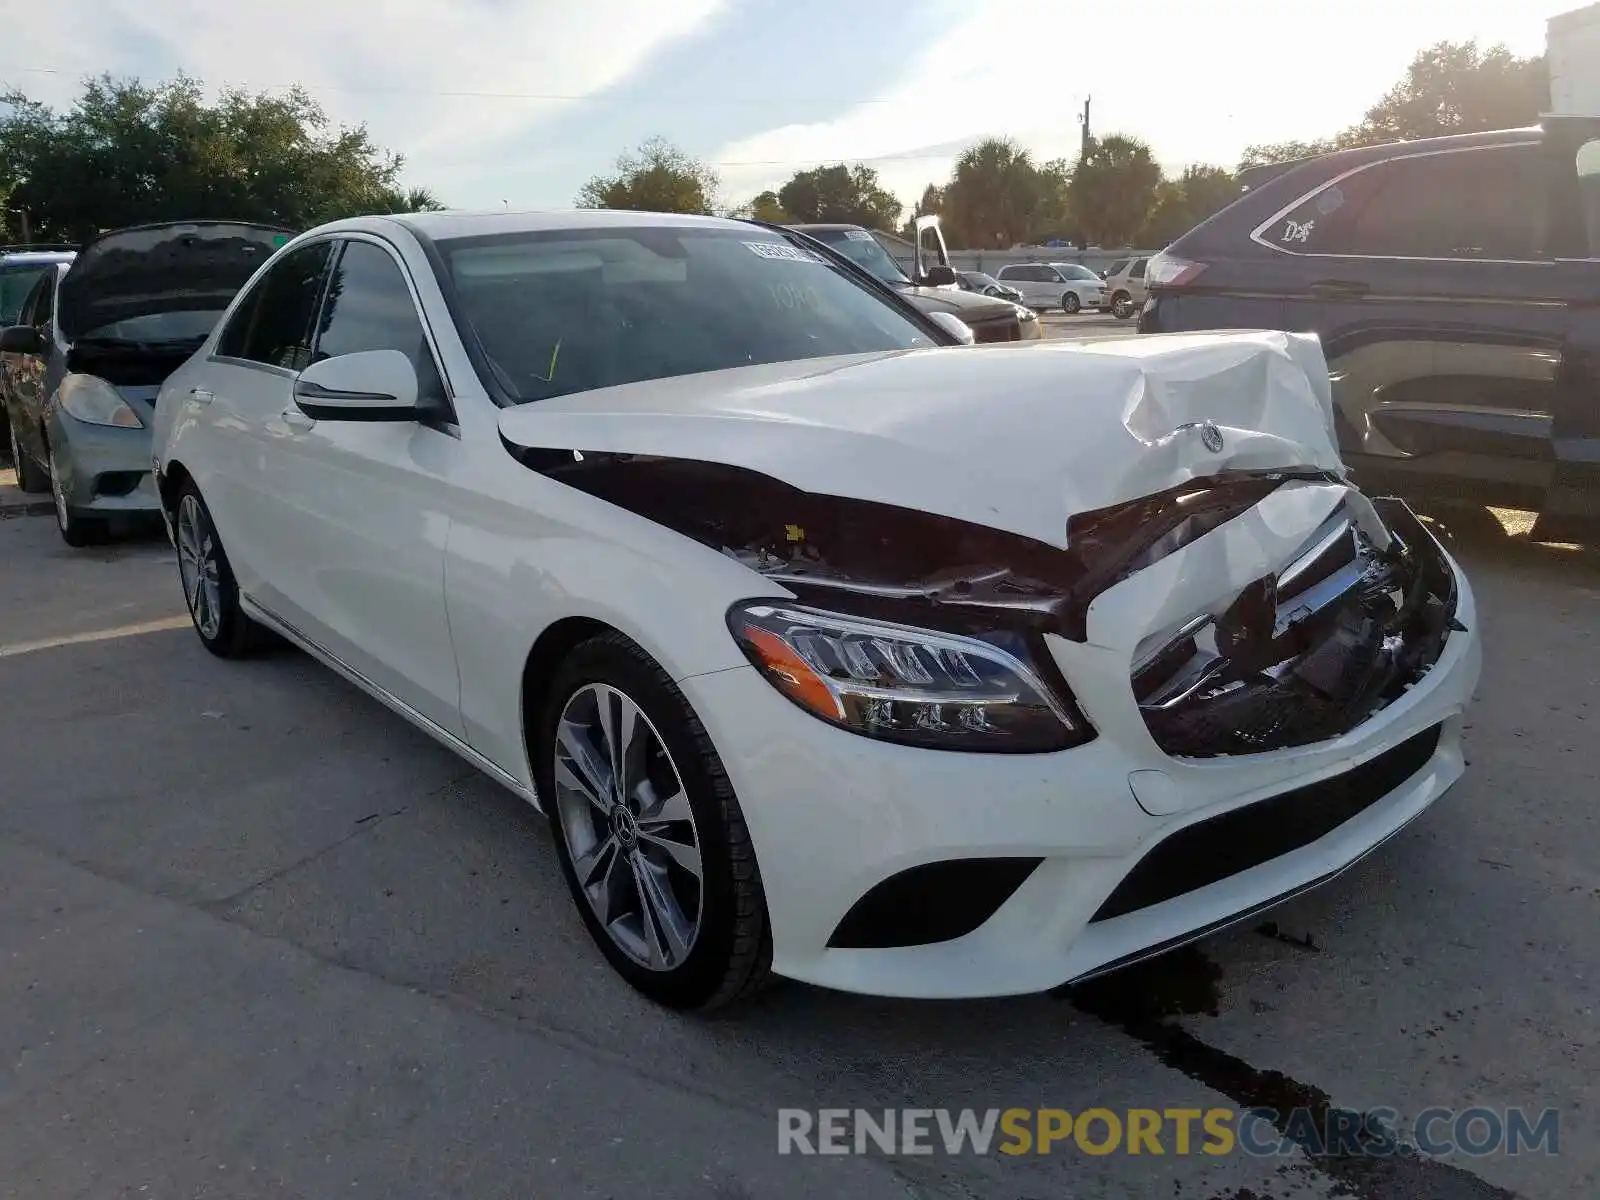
<point>1486,203</point>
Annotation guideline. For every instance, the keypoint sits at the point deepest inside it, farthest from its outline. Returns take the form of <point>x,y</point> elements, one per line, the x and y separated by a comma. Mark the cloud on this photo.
<point>438,80</point>
<point>1197,86</point>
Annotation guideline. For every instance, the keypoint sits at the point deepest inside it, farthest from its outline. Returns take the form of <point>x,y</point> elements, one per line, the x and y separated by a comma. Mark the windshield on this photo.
<point>15,284</point>
<point>565,311</point>
<point>191,326</point>
<point>864,249</point>
<point>1076,271</point>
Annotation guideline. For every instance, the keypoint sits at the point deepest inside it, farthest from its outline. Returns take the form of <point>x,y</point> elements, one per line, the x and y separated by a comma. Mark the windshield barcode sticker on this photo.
<point>777,250</point>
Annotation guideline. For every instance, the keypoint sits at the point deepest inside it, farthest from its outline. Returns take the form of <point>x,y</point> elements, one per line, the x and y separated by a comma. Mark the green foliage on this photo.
<point>994,196</point>
<point>657,177</point>
<point>1114,188</point>
<point>1182,203</point>
<point>843,194</point>
<point>766,207</point>
<point>127,153</point>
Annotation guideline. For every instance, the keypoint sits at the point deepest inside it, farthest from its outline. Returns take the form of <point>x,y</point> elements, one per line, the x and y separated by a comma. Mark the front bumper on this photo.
<point>834,816</point>
<point>102,469</point>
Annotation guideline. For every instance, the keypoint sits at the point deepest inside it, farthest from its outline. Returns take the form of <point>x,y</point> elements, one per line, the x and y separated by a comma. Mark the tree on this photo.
<point>412,200</point>
<point>127,153</point>
<point>657,177</point>
<point>1451,87</point>
<point>849,195</point>
<point>1113,189</point>
<point>931,205</point>
<point>1182,203</point>
<point>765,207</point>
<point>993,195</point>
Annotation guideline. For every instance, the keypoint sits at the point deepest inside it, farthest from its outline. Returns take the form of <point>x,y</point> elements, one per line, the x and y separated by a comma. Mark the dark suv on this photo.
<point>1455,284</point>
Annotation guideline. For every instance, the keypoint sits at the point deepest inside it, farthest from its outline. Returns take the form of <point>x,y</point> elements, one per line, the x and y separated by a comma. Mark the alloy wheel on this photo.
<point>197,565</point>
<point>629,828</point>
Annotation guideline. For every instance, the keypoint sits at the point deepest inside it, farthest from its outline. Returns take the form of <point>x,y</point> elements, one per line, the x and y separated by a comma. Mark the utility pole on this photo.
<point>1087,138</point>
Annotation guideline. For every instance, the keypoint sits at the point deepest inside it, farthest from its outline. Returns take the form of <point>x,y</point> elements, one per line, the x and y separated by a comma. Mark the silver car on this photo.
<point>81,369</point>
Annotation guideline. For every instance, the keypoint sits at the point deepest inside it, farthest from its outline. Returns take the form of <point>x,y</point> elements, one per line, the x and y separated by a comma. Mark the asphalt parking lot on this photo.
<point>261,938</point>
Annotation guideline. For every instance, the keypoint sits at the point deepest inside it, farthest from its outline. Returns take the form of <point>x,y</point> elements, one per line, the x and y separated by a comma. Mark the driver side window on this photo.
<point>38,308</point>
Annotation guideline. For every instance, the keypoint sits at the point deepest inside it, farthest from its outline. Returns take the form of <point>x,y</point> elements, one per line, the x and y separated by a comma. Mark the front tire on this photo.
<point>651,838</point>
<point>1122,306</point>
<point>209,588</point>
<point>1070,303</point>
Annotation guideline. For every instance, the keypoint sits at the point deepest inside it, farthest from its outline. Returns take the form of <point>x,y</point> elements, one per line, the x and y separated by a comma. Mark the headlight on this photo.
<point>94,400</point>
<point>903,684</point>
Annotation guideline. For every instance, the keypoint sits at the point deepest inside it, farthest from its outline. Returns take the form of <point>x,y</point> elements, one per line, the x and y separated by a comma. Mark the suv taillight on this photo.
<point>1168,270</point>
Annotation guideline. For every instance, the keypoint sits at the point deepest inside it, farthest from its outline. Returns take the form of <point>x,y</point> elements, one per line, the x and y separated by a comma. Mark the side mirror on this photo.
<point>370,385</point>
<point>954,326</point>
<point>940,276</point>
<point>21,339</point>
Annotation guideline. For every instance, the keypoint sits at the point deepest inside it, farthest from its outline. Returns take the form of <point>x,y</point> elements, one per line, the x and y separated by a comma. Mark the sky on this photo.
<point>519,102</point>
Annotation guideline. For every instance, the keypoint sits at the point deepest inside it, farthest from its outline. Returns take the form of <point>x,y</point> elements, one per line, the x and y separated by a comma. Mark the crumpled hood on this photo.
<point>1017,438</point>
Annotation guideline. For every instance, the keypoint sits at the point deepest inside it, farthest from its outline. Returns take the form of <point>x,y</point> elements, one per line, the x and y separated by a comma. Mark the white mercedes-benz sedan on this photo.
<point>831,648</point>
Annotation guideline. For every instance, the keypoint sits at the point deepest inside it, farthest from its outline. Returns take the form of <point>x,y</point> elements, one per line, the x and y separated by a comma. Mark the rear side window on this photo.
<point>272,325</point>
<point>1472,204</point>
<point>38,308</point>
<point>1011,273</point>
<point>369,307</point>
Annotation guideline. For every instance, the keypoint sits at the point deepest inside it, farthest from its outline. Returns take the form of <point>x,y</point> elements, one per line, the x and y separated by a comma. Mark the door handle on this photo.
<point>297,420</point>
<point>202,395</point>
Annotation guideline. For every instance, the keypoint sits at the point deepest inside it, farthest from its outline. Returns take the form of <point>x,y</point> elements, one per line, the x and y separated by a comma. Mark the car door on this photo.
<point>233,413</point>
<point>360,508</point>
<point>1573,170</point>
<point>1439,309</point>
<point>1031,279</point>
<point>27,377</point>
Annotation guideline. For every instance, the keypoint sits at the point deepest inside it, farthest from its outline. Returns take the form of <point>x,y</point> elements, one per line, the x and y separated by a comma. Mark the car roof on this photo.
<point>454,224</point>
<point>823,226</point>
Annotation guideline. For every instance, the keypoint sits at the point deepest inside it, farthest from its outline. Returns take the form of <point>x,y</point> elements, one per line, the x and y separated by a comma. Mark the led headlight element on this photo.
<point>904,684</point>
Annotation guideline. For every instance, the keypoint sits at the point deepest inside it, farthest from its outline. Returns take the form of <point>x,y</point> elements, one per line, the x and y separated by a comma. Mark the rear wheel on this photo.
<point>1070,303</point>
<point>650,835</point>
<point>30,476</point>
<point>209,588</point>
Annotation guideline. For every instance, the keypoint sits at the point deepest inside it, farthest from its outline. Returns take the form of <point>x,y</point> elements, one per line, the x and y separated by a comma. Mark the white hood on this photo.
<point>1018,438</point>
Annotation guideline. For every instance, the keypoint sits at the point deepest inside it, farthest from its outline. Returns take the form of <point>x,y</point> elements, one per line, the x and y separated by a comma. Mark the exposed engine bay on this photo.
<point>1305,654</point>
<point>1300,656</point>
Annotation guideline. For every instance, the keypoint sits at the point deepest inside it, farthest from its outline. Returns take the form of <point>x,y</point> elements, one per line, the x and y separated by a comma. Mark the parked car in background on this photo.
<point>1067,286</point>
<point>1455,285</point>
<point>90,348</point>
<point>933,287</point>
<point>1125,286</point>
<point>827,652</point>
<point>977,281</point>
<point>21,267</point>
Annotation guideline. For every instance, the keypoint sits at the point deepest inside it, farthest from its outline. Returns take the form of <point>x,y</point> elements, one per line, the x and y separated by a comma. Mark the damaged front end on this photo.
<point>1309,652</point>
<point>1296,657</point>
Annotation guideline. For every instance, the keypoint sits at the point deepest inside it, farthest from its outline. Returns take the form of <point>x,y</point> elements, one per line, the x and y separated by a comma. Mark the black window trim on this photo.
<point>1258,234</point>
<point>259,279</point>
<point>337,238</point>
<point>450,416</point>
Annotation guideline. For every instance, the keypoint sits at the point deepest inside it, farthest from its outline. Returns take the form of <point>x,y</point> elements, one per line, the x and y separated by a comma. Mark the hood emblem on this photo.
<point>1211,437</point>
